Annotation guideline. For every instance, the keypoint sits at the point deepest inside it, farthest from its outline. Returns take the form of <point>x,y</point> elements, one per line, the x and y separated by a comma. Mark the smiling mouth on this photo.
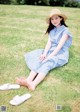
<point>55,23</point>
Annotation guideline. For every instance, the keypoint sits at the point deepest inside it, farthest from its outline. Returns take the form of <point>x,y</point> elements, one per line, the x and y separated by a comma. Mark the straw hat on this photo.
<point>56,12</point>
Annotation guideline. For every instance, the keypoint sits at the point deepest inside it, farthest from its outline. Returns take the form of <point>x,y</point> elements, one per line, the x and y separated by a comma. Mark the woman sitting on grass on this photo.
<point>55,54</point>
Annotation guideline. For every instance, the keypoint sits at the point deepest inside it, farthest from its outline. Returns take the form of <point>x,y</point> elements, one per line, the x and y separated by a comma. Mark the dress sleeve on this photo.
<point>69,41</point>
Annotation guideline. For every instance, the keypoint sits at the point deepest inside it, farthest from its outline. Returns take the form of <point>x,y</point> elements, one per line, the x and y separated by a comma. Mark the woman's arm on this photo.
<point>47,47</point>
<point>59,46</point>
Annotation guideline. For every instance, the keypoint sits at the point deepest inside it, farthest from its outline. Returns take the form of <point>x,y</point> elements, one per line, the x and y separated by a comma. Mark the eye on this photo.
<point>56,17</point>
<point>52,19</point>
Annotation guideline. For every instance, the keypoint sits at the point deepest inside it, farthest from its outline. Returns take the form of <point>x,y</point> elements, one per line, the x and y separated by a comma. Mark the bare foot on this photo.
<point>24,82</point>
<point>21,81</point>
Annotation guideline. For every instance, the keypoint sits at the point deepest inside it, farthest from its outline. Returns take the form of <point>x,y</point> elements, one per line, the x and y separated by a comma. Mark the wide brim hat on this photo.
<point>57,12</point>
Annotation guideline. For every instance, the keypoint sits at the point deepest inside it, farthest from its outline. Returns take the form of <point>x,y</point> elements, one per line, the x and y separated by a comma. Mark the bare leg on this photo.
<point>31,76</point>
<point>32,85</point>
<point>23,81</point>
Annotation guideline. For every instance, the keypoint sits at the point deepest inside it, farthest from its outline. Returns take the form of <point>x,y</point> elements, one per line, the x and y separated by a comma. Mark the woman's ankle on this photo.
<point>31,86</point>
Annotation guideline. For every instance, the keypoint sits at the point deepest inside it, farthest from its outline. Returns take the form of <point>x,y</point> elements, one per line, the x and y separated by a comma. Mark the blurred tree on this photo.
<point>64,3</point>
<point>68,3</point>
<point>14,2</point>
<point>56,2</point>
<point>4,1</point>
<point>42,2</point>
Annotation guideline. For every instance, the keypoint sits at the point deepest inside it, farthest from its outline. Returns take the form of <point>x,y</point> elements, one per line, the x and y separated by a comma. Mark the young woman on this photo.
<point>55,54</point>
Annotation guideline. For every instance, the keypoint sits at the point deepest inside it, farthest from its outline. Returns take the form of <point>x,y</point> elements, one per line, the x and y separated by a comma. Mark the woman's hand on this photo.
<point>47,58</point>
<point>42,57</point>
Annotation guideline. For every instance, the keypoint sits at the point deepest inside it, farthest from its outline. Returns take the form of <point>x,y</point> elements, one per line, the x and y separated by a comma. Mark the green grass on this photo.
<point>22,29</point>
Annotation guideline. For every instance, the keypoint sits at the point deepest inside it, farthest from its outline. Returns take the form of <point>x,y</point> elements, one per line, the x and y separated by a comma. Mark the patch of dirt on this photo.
<point>76,106</point>
<point>53,80</point>
<point>2,49</point>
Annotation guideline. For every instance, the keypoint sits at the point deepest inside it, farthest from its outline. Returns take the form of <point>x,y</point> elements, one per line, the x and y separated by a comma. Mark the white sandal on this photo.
<point>9,86</point>
<point>17,100</point>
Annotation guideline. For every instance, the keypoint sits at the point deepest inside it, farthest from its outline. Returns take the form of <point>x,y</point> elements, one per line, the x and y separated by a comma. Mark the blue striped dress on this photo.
<point>32,58</point>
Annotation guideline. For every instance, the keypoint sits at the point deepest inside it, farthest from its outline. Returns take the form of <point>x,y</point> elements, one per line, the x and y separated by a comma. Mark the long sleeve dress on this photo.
<point>33,58</point>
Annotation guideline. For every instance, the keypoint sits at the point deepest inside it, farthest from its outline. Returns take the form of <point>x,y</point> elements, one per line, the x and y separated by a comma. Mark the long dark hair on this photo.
<point>51,26</point>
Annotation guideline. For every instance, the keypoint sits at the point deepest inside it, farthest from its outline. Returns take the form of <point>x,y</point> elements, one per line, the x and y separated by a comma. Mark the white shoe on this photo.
<point>17,100</point>
<point>9,86</point>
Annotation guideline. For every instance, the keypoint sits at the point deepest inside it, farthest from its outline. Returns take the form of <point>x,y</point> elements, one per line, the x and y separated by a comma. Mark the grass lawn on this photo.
<point>22,29</point>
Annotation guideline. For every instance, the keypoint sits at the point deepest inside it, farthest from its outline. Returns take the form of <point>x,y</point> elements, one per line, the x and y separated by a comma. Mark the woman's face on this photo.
<point>56,20</point>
